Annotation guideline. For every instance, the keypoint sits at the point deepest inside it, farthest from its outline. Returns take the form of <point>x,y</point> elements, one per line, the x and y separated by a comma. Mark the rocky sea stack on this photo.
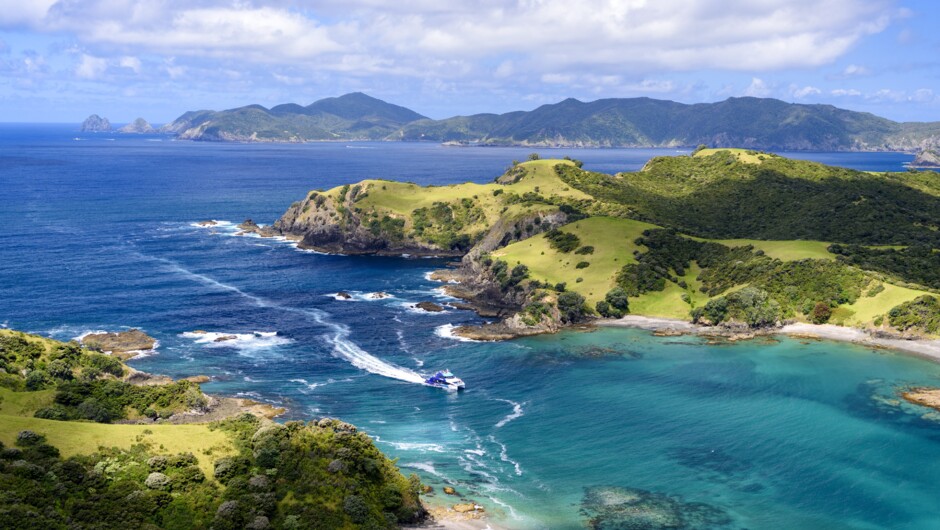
<point>138,126</point>
<point>95,123</point>
<point>927,158</point>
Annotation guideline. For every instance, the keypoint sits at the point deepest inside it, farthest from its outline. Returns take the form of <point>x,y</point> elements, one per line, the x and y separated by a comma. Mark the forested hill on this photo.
<point>767,124</point>
<point>354,116</point>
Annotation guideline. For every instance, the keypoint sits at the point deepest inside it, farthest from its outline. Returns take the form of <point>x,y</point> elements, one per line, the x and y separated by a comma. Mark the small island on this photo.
<point>95,123</point>
<point>926,159</point>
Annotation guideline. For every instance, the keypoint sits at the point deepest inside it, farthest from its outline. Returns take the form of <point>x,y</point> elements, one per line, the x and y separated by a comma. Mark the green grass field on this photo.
<point>79,438</point>
<point>24,403</point>
<point>783,250</point>
<point>742,154</point>
<point>613,242</point>
<point>865,309</point>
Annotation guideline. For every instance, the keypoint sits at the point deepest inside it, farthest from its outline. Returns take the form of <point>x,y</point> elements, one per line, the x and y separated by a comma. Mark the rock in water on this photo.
<point>123,344</point>
<point>139,126</point>
<point>429,306</point>
<point>95,123</point>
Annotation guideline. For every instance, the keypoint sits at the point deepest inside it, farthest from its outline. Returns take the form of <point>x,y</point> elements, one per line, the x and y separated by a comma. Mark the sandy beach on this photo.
<point>927,348</point>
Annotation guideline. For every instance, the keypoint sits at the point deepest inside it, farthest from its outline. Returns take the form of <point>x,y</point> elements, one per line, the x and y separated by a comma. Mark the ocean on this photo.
<point>100,233</point>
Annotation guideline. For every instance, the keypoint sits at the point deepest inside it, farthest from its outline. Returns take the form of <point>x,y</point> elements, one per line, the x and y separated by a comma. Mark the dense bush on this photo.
<point>918,264</point>
<point>562,241</point>
<point>104,401</point>
<point>720,197</point>
<point>750,306</point>
<point>921,314</point>
<point>133,488</point>
<point>571,306</point>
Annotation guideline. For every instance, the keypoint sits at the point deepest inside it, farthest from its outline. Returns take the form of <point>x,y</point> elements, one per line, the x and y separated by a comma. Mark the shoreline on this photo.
<point>924,348</point>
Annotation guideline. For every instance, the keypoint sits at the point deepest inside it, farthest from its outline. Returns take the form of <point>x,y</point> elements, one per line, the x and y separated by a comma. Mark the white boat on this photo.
<point>445,379</point>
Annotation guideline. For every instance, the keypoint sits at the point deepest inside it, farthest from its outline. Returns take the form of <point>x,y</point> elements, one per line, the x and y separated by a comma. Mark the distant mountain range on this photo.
<point>756,123</point>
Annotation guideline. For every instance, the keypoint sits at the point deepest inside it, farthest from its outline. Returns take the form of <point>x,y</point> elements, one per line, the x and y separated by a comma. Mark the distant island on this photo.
<point>927,158</point>
<point>95,123</point>
<point>736,240</point>
<point>754,123</point>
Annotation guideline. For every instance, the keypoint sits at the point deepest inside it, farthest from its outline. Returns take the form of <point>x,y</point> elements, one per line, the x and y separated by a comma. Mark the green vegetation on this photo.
<point>318,475</point>
<point>242,472</point>
<point>720,197</point>
<point>632,122</point>
<point>917,264</point>
<point>921,314</point>
<point>750,305</point>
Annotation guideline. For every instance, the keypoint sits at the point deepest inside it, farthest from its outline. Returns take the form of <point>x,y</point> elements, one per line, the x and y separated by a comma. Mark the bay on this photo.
<point>99,232</point>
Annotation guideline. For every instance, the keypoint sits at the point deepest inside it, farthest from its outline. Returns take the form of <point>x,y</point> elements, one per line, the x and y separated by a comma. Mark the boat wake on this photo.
<point>338,337</point>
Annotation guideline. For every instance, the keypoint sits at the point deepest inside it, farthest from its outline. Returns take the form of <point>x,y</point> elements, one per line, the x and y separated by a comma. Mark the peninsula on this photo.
<point>733,238</point>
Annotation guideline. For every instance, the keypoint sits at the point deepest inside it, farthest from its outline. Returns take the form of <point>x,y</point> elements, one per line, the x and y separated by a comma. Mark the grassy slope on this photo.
<point>782,250</point>
<point>743,155</point>
<point>400,199</point>
<point>867,308</point>
<point>613,242</point>
<point>74,438</point>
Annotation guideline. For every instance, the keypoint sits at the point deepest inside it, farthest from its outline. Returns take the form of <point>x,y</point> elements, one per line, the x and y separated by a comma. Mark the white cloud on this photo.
<point>841,92</point>
<point>91,67</point>
<point>804,92</point>
<point>854,70</point>
<point>607,37</point>
<point>758,88</point>
<point>133,63</point>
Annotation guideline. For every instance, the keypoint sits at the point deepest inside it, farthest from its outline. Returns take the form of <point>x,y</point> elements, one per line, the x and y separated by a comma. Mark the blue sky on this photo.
<point>63,60</point>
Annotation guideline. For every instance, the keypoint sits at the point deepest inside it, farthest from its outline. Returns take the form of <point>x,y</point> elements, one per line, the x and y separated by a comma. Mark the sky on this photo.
<point>61,61</point>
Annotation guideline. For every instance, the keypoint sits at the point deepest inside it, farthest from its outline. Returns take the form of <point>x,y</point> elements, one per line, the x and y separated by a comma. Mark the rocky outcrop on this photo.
<point>250,227</point>
<point>122,344</point>
<point>430,307</point>
<point>138,126</point>
<point>95,123</point>
<point>927,159</point>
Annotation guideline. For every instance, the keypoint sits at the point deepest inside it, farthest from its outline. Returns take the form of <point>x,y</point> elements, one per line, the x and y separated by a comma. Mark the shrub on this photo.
<point>582,265</point>
<point>563,242</point>
<point>821,313</point>
<point>571,306</point>
<point>587,249</point>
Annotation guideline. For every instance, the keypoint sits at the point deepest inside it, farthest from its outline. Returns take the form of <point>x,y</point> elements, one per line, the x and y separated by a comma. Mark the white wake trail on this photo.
<point>339,338</point>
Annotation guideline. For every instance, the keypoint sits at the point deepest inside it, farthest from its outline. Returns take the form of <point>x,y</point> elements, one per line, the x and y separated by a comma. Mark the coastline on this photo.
<point>925,348</point>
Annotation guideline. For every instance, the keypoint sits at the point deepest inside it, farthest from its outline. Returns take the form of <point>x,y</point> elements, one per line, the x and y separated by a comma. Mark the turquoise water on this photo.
<point>99,234</point>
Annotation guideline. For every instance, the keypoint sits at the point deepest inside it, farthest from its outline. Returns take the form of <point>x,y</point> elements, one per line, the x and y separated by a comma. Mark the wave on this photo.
<point>414,446</point>
<point>447,332</point>
<point>359,296</point>
<point>517,412</point>
<point>245,342</point>
<point>504,455</point>
<point>339,338</point>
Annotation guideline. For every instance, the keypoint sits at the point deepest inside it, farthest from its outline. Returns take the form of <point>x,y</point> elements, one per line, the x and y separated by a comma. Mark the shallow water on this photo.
<point>99,234</point>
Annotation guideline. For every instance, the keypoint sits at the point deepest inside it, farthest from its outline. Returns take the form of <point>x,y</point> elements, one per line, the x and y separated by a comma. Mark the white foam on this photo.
<point>245,342</point>
<point>414,446</point>
<point>504,455</point>
<point>359,296</point>
<point>517,412</point>
<point>427,467</point>
<point>441,292</point>
<point>478,452</point>
<point>447,332</point>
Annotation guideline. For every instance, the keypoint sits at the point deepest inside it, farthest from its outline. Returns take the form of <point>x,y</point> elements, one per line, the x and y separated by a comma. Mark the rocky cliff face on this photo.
<point>95,123</point>
<point>927,159</point>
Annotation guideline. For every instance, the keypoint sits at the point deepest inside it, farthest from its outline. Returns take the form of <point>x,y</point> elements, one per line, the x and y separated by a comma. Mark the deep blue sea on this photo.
<point>98,233</point>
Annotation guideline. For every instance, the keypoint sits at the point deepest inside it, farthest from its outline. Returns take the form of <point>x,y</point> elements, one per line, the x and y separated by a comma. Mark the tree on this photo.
<point>821,313</point>
<point>571,306</point>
